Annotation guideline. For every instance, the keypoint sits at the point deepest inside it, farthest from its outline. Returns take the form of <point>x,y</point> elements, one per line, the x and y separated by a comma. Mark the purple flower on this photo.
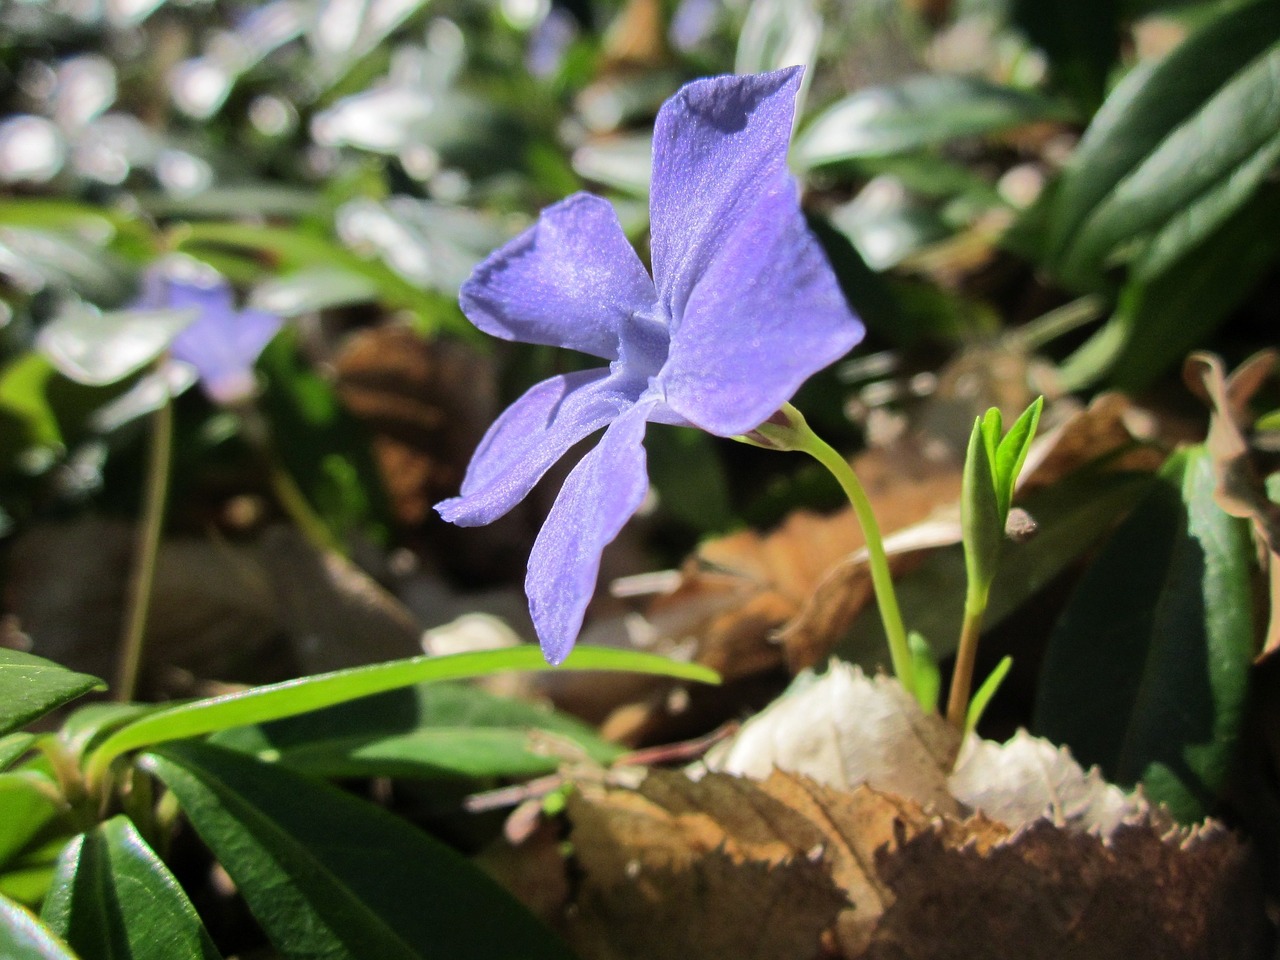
<point>221,343</point>
<point>741,309</point>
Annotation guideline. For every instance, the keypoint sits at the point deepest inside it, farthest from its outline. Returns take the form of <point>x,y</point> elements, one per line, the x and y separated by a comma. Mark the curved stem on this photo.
<point>877,559</point>
<point>146,552</point>
<point>966,657</point>
<point>288,494</point>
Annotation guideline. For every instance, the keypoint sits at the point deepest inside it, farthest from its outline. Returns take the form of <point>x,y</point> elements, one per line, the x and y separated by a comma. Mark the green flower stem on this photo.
<point>788,430</point>
<point>975,607</point>
<point>146,552</point>
<point>288,494</point>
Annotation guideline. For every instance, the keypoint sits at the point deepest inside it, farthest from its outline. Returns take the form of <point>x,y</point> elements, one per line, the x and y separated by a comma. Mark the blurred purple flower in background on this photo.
<point>549,41</point>
<point>741,309</point>
<point>221,343</point>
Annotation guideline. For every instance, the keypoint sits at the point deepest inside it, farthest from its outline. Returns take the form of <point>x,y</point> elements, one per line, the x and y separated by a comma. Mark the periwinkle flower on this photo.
<point>221,343</point>
<point>742,307</point>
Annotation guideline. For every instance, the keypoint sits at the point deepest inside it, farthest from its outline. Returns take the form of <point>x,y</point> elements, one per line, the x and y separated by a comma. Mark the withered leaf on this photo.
<point>1240,490</point>
<point>786,868</point>
<point>427,403</point>
<point>844,729</point>
<point>1028,778</point>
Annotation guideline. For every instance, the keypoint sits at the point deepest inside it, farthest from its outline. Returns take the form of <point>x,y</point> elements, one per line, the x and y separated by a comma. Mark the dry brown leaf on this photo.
<point>1053,894</point>
<point>844,729</point>
<point>727,867</point>
<point>786,868</point>
<point>427,404</point>
<point>1240,490</point>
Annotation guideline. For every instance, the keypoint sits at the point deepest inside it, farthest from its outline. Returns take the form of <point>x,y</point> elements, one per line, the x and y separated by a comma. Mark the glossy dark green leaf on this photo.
<point>31,686</point>
<point>918,112</point>
<point>293,697</point>
<point>23,937</point>
<point>330,876</point>
<point>112,897</point>
<point>424,731</point>
<point>1147,669</point>
<point>1156,323</point>
<point>1178,147</point>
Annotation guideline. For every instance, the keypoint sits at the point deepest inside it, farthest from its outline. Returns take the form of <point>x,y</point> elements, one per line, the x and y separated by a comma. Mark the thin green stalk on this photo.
<point>877,559</point>
<point>147,550</point>
<point>966,657</point>
<point>290,497</point>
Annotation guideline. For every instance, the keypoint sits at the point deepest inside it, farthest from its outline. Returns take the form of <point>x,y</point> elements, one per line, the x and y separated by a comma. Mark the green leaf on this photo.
<point>96,349</point>
<point>1012,451</point>
<point>23,937</point>
<point>918,112</point>
<point>980,519</point>
<point>330,876</point>
<point>112,897</point>
<point>31,686</point>
<point>292,697</point>
<point>13,746</point>
<point>777,34</point>
<point>924,670</point>
<point>978,705</point>
<point>424,731</point>
<point>1146,672</point>
<point>1157,322</point>
<point>1177,147</point>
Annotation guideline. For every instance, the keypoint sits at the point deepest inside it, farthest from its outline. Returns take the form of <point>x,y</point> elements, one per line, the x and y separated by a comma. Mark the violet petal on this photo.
<point>571,280</point>
<point>222,344</point>
<point>599,496</point>
<point>757,324</point>
<point>719,151</point>
<point>531,435</point>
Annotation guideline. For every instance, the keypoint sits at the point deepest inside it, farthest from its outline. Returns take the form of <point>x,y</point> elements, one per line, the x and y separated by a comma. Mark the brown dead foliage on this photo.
<point>1240,490</point>
<point>786,868</point>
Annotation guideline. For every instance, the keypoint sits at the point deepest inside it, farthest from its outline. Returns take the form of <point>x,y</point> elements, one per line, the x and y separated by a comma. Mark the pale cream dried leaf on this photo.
<point>1028,778</point>
<point>844,729</point>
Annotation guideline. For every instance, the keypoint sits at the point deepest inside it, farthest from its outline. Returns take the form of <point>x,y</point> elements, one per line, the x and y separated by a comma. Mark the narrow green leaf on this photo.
<point>23,937</point>
<point>31,686</point>
<point>1146,672</point>
<point>918,112</point>
<point>924,668</point>
<point>13,746</point>
<point>330,876</point>
<point>980,520</point>
<point>1126,163</point>
<point>292,697</point>
<point>112,897</point>
<point>1011,454</point>
<point>1156,323</point>
<point>981,699</point>
<point>1200,174</point>
<point>425,731</point>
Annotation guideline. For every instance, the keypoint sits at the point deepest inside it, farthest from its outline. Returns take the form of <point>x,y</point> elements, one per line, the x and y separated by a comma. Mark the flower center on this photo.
<point>643,345</point>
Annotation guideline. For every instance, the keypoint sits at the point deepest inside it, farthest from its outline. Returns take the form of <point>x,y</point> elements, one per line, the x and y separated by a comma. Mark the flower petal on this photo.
<point>758,324</point>
<point>531,435</point>
<point>223,346</point>
<point>719,150</point>
<point>571,280</point>
<point>599,496</point>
